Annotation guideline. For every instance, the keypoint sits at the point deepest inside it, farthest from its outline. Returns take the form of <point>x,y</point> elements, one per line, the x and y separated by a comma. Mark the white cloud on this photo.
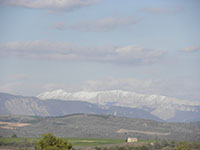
<point>110,83</point>
<point>52,5</point>
<point>136,54</point>
<point>12,87</point>
<point>21,76</point>
<point>102,25</point>
<point>171,11</point>
<point>149,86</point>
<point>159,87</point>
<point>67,52</point>
<point>191,49</point>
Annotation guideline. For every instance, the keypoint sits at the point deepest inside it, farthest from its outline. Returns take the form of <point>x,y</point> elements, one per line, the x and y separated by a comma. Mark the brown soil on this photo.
<point>144,132</point>
<point>12,125</point>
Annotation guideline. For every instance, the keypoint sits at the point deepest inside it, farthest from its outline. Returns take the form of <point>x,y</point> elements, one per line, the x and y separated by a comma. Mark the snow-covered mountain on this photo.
<point>160,106</point>
<point>24,105</point>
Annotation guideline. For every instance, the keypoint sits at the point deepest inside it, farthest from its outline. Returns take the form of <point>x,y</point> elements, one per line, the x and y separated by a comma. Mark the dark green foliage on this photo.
<point>14,135</point>
<point>173,143</point>
<point>157,145</point>
<point>183,146</point>
<point>164,143</point>
<point>147,147</point>
<point>51,142</point>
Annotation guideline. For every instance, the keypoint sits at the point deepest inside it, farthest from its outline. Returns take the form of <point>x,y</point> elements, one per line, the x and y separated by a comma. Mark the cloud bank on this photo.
<point>130,54</point>
<point>148,86</point>
<point>170,11</point>
<point>102,25</point>
<point>51,5</point>
<point>191,49</point>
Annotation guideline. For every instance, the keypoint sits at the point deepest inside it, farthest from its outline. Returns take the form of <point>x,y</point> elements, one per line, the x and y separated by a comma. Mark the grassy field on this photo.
<point>74,141</point>
<point>10,141</point>
<point>84,143</point>
<point>94,142</point>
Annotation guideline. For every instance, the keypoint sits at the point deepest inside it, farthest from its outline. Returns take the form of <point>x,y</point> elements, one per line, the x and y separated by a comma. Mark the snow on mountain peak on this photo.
<point>112,96</point>
<point>158,104</point>
<point>57,94</point>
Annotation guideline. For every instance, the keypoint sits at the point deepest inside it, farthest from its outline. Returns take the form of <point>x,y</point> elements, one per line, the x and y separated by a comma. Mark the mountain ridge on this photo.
<point>114,103</point>
<point>161,106</point>
<point>20,105</point>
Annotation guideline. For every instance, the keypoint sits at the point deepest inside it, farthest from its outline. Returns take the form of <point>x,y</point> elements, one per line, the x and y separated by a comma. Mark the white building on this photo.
<point>129,140</point>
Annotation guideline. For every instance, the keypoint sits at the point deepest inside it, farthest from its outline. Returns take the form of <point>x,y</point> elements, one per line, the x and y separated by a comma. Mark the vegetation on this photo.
<point>90,127</point>
<point>172,145</point>
<point>103,144</point>
<point>23,142</point>
<point>14,136</point>
<point>127,148</point>
<point>183,146</point>
<point>94,141</point>
<point>18,142</point>
<point>51,142</point>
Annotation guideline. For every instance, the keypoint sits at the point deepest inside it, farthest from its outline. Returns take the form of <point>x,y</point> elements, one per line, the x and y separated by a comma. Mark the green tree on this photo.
<point>164,143</point>
<point>51,142</point>
<point>14,135</point>
<point>183,146</point>
<point>157,145</point>
<point>173,143</point>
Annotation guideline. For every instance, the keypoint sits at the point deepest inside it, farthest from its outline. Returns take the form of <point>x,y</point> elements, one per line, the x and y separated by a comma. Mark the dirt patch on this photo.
<point>144,132</point>
<point>12,125</point>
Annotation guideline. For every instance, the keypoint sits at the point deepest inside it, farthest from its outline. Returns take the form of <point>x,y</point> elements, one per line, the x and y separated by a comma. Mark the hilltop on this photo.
<point>100,126</point>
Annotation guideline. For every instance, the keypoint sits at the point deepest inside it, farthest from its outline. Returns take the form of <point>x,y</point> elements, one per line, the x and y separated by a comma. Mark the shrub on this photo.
<point>14,136</point>
<point>51,142</point>
<point>183,146</point>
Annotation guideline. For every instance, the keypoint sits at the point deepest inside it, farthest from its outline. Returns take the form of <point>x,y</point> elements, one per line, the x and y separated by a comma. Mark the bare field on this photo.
<point>144,132</point>
<point>12,125</point>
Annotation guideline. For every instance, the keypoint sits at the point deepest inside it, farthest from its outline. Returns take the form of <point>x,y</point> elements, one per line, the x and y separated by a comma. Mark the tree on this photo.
<point>157,145</point>
<point>164,143</point>
<point>14,135</point>
<point>51,142</point>
<point>183,146</point>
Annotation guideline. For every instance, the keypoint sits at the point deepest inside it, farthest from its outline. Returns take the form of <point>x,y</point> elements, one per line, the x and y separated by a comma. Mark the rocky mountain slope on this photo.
<point>165,108</point>
<point>20,105</point>
<point>117,103</point>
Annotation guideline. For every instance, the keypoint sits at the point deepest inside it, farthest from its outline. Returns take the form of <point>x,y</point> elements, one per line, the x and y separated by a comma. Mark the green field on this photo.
<point>74,141</point>
<point>81,143</point>
<point>94,142</point>
<point>17,140</point>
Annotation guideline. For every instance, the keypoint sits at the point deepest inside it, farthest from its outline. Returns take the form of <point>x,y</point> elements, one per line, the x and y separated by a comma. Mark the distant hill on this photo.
<point>20,105</point>
<point>117,103</point>
<point>100,126</point>
<point>163,107</point>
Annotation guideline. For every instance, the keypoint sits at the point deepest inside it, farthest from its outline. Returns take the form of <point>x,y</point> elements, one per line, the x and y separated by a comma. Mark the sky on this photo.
<point>144,46</point>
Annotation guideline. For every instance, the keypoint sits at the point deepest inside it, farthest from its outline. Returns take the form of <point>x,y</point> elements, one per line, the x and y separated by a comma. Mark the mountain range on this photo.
<point>115,102</point>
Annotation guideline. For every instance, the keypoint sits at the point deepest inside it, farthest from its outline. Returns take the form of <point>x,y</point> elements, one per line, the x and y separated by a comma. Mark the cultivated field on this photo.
<point>13,143</point>
<point>12,125</point>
